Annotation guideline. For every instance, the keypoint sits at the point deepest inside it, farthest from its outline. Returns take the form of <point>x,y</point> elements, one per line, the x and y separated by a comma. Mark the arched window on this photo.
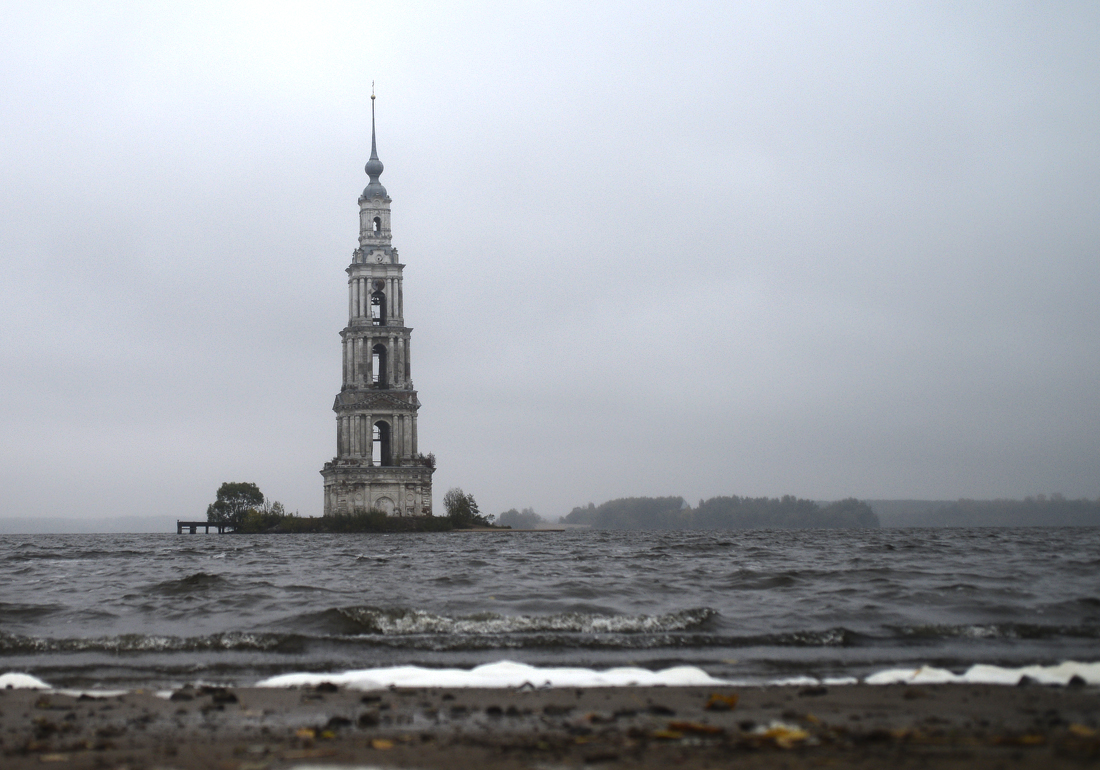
<point>380,445</point>
<point>377,224</point>
<point>378,308</point>
<point>378,365</point>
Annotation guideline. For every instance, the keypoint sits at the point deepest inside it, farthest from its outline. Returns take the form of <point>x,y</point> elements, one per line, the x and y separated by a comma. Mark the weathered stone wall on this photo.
<point>356,488</point>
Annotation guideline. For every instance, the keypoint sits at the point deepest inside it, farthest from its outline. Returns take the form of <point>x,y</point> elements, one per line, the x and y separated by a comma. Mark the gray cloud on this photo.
<point>711,249</point>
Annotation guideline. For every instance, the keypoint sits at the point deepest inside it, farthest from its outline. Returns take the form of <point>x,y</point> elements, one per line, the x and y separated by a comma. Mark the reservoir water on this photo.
<point>124,611</point>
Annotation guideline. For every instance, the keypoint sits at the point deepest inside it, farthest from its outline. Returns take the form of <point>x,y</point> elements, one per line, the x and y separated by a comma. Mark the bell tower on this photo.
<point>378,464</point>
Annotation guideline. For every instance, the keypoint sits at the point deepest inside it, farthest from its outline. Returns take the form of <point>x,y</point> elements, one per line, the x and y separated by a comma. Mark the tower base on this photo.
<point>352,487</point>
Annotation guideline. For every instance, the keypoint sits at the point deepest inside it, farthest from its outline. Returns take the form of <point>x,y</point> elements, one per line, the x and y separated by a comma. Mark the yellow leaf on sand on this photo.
<point>718,702</point>
<point>381,744</point>
<point>784,736</point>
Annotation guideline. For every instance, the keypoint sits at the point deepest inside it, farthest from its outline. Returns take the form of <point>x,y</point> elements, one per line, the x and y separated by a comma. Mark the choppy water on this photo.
<point>163,610</point>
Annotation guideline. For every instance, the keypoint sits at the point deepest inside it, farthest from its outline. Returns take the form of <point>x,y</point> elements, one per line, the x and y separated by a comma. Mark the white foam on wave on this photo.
<point>12,681</point>
<point>810,681</point>
<point>508,674</point>
<point>504,674</point>
<point>986,674</point>
<point>400,622</point>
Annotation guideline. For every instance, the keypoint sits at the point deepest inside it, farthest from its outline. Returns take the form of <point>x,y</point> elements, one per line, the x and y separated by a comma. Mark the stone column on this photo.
<point>356,359</point>
<point>353,356</point>
<point>358,375</point>
<point>400,442</point>
<point>389,361</point>
<point>400,362</point>
<point>369,453</point>
<point>364,359</point>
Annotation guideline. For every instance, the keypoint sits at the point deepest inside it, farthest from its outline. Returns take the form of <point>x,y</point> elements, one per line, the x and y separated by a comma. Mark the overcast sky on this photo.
<point>821,249</point>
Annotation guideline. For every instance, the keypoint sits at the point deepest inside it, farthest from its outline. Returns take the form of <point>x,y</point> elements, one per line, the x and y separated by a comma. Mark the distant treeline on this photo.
<point>1038,511</point>
<point>733,512</point>
<point>525,519</point>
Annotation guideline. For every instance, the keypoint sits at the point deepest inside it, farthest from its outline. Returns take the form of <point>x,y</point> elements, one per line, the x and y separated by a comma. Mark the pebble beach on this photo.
<point>326,725</point>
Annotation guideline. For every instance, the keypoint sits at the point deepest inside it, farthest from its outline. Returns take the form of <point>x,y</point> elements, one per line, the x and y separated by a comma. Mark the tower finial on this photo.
<point>374,165</point>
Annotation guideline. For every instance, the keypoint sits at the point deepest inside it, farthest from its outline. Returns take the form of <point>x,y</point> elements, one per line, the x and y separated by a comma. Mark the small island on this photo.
<point>242,509</point>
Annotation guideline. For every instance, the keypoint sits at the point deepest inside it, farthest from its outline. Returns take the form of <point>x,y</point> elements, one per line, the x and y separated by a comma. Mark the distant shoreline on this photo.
<point>1040,511</point>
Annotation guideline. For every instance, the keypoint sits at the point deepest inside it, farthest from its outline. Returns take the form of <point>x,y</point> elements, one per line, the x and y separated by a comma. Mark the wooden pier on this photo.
<point>206,525</point>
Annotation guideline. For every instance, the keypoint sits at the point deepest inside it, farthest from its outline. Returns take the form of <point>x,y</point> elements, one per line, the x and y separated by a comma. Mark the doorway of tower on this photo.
<point>380,446</point>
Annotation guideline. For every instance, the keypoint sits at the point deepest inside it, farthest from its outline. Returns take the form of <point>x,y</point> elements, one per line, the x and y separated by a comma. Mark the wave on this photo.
<point>556,632</point>
<point>11,644</point>
<point>933,632</point>
<point>484,640</point>
<point>404,622</point>
<point>20,552</point>
<point>196,583</point>
<point>26,612</point>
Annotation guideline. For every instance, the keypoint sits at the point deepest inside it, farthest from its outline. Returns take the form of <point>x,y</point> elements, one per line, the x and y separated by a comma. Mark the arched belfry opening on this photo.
<point>378,308</point>
<point>378,463</point>
<point>380,444</point>
<point>378,366</point>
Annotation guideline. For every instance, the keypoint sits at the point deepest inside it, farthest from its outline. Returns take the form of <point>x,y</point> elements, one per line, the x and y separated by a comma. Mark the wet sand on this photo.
<point>942,726</point>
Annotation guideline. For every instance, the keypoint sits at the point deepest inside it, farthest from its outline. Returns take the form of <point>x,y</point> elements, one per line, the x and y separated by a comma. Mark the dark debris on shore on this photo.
<point>854,726</point>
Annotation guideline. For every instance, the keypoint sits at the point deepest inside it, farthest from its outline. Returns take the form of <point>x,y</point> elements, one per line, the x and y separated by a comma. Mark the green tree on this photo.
<point>462,509</point>
<point>235,501</point>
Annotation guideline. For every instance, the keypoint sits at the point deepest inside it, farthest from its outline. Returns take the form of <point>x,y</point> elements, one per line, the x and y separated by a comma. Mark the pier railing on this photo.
<point>193,526</point>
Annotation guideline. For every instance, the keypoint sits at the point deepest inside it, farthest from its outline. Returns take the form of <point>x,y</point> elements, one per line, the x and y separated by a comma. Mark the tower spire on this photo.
<point>374,166</point>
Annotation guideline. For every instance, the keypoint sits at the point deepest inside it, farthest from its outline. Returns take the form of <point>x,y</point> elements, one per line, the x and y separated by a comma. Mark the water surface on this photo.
<point>163,610</point>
